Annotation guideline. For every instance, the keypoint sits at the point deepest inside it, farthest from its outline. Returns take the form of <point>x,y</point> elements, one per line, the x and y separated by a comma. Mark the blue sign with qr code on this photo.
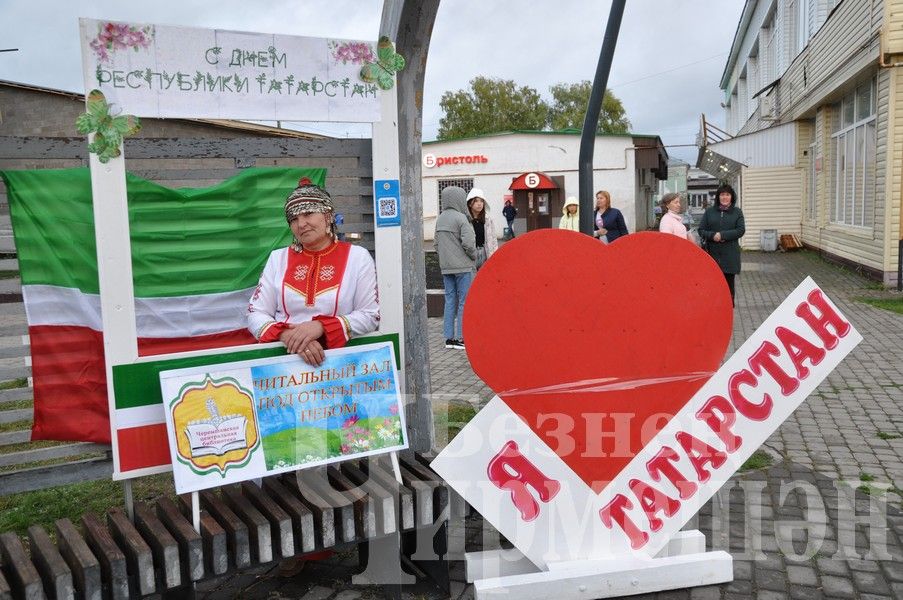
<point>386,203</point>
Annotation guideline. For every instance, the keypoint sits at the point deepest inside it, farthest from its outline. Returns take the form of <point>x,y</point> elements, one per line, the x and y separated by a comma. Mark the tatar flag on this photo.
<point>197,255</point>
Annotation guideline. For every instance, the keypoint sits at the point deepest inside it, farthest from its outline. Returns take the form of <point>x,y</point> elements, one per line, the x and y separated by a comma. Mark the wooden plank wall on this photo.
<point>175,163</point>
<point>778,202</point>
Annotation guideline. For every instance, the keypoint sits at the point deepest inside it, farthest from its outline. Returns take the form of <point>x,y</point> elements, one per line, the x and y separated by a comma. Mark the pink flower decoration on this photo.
<point>356,53</point>
<point>393,409</point>
<point>349,422</point>
<point>119,36</point>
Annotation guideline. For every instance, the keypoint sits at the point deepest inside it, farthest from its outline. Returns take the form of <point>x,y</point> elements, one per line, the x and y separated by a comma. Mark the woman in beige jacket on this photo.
<point>483,227</point>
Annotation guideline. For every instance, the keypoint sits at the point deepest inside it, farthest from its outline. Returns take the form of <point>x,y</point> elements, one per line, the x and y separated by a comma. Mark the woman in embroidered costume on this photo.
<point>319,292</point>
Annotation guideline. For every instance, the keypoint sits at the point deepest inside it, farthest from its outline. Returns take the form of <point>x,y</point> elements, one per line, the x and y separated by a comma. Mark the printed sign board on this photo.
<point>162,71</point>
<point>238,421</point>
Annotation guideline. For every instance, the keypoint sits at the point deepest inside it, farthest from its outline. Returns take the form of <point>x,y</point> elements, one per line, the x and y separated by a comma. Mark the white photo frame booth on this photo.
<point>162,71</point>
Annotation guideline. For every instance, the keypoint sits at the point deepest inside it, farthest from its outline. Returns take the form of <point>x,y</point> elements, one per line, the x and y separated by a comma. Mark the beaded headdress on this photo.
<point>307,197</point>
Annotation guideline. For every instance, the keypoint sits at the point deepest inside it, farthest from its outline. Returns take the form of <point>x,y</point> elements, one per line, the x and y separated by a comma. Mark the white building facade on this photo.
<point>627,166</point>
<point>812,140</point>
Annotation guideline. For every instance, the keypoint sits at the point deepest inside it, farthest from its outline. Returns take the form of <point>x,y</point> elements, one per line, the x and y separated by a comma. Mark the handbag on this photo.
<point>696,238</point>
<point>481,256</point>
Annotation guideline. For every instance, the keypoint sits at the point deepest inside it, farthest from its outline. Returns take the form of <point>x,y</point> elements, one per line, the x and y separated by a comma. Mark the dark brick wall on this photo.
<point>25,112</point>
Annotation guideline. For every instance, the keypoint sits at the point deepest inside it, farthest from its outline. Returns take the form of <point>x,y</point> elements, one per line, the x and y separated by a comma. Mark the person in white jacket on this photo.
<point>317,293</point>
<point>483,227</point>
<point>570,219</point>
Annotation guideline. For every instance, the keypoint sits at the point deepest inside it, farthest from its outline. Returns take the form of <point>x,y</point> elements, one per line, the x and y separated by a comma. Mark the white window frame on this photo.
<point>768,64</point>
<point>735,111</point>
<point>752,84</point>
<point>697,199</point>
<point>811,203</point>
<point>839,142</point>
<point>802,25</point>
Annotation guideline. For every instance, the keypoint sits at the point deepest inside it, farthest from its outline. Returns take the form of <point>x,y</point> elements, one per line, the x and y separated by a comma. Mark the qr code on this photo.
<point>388,208</point>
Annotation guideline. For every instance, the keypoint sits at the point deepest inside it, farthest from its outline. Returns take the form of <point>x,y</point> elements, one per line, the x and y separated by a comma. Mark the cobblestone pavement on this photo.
<point>797,529</point>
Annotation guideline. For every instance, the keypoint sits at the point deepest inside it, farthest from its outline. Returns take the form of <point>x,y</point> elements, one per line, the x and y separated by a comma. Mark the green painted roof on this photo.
<point>542,132</point>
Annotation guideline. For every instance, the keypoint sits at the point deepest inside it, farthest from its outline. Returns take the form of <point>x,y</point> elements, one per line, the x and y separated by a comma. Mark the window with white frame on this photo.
<point>697,199</point>
<point>801,15</point>
<point>810,204</point>
<point>734,113</point>
<point>768,62</point>
<point>752,69</point>
<point>854,146</point>
<point>816,17</point>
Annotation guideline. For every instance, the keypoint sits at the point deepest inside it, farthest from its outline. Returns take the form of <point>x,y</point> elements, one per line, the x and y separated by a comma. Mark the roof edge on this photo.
<point>742,25</point>
<point>575,132</point>
<point>223,123</point>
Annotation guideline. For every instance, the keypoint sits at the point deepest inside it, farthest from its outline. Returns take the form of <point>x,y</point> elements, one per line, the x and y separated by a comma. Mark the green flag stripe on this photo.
<point>138,384</point>
<point>184,242</point>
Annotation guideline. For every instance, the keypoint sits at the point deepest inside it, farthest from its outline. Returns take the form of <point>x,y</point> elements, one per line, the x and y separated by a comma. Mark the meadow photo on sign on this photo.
<point>238,421</point>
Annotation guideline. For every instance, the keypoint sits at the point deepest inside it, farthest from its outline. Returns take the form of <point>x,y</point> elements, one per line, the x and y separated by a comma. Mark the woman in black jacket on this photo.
<point>721,228</point>
<point>608,222</point>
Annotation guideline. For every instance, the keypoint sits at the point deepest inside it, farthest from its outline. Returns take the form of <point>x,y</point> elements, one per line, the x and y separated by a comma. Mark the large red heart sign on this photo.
<point>595,347</point>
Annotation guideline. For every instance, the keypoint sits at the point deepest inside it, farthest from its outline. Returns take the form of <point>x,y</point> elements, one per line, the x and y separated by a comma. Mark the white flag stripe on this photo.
<point>179,316</point>
<point>53,305</point>
<point>141,415</point>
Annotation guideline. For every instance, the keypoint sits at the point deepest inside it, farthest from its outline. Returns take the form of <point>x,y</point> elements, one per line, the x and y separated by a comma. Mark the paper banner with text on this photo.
<point>237,421</point>
<point>163,71</point>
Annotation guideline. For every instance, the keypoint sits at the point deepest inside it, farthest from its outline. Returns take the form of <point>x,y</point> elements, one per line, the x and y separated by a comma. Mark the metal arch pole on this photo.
<point>591,121</point>
<point>412,40</point>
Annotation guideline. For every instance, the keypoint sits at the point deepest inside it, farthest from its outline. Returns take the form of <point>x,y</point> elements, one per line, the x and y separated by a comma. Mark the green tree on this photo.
<point>568,109</point>
<point>491,105</point>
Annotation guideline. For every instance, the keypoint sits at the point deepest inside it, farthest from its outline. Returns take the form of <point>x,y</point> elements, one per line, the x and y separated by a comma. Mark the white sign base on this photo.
<point>682,563</point>
<point>502,562</point>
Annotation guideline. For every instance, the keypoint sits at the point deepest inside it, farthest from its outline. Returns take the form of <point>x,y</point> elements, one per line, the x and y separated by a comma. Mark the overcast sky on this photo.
<point>666,69</point>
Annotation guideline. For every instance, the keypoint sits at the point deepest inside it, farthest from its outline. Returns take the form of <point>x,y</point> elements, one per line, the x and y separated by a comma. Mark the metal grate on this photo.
<point>466,184</point>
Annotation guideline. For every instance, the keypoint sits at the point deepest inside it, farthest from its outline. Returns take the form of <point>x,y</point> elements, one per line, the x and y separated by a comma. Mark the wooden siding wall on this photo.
<point>893,34</point>
<point>893,199</point>
<point>837,52</point>
<point>778,202</point>
<point>810,225</point>
<point>866,246</point>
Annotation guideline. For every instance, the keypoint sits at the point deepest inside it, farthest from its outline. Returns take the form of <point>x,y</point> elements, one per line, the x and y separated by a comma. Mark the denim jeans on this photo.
<point>456,286</point>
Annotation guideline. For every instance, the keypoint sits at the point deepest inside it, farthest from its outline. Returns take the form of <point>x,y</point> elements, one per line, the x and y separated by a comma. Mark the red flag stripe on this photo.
<point>142,447</point>
<point>70,392</point>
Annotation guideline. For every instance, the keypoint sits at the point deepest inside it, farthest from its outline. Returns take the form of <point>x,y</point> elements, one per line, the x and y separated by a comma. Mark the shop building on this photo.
<point>538,170</point>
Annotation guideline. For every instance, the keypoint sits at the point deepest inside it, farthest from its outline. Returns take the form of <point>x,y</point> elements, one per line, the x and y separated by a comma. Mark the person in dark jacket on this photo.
<point>721,228</point>
<point>608,222</point>
<point>510,212</point>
